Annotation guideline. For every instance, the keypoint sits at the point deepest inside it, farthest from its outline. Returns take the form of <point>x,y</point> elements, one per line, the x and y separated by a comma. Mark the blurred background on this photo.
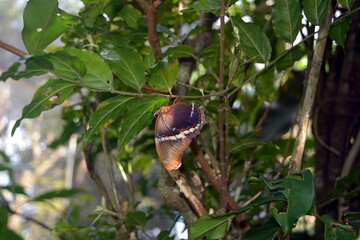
<point>36,167</point>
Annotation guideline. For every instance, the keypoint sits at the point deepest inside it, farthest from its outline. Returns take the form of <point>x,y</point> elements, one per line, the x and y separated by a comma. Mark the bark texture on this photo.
<point>337,119</point>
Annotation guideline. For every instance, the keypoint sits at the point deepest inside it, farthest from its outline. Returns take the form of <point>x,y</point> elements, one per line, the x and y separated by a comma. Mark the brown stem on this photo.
<point>296,160</point>
<point>186,189</point>
<point>214,180</point>
<point>223,165</point>
<point>12,49</point>
<point>212,158</point>
<point>150,8</point>
<point>96,177</point>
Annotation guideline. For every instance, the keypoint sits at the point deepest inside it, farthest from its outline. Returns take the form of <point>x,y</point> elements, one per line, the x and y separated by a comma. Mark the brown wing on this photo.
<point>170,151</point>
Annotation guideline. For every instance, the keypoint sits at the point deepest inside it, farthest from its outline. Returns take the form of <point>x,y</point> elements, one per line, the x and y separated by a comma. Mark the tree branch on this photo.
<point>296,160</point>
<point>12,49</point>
<point>186,189</point>
<point>150,8</point>
<point>214,180</point>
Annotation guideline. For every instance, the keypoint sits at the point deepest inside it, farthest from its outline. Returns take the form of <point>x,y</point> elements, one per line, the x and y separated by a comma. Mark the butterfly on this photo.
<point>176,126</point>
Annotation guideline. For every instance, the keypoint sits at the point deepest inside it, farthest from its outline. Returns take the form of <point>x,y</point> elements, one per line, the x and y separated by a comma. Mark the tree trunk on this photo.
<point>336,119</point>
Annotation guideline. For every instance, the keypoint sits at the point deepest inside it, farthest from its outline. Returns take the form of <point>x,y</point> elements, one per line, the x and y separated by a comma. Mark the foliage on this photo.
<point>119,81</point>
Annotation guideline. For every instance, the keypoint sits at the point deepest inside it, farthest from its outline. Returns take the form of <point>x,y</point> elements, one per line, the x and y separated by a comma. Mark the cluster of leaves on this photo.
<point>106,53</point>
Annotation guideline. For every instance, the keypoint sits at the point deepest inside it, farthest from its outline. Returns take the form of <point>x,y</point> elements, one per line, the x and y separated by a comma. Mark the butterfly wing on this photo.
<point>175,127</point>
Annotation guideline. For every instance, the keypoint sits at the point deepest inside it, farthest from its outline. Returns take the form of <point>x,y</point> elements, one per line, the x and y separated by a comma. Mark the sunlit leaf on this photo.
<point>253,40</point>
<point>287,19</point>
<point>164,73</point>
<point>66,66</point>
<point>141,114</point>
<point>106,113</point>
<point>34,66</point>
<point>51,94</point>
<point>126,63</point>
<point>315,10</point>
<point>135,218</point>
<point>98,73</point>
<point>43,23</point>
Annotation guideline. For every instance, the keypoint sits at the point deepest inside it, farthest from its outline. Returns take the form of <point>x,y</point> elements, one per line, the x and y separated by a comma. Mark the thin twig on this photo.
<point>110,170</point>
<point>12,49</point>
<point>253,198</point>
<point>214,180</point>
<point>296,160</point>
<point>319,138</point>
<point>350,159</point>
<point>223,165</point>
<point>212,158</point>
<point>186,189</point>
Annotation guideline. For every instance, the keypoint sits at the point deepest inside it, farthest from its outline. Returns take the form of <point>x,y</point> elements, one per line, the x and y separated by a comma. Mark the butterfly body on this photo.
<point>176,126</point>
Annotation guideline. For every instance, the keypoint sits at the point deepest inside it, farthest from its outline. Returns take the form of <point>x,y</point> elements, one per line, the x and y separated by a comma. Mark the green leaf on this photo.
<point>3,219</point>
<point>51,94</point>
<point>66,66</point>
<point>34,66</point>
<point>213,225</point>
<point>253,40</point>
<point>62,193</point>
<point>287,60</point>
<point>164,235</point>
<point>5,232</point>
<point>209,5</point>
<point>130,15</point>
<point>207,224</point>
<point>127,64</point>
<point>141,114</point>
<point>287,19</point>
<point>180,51</point>
<point>245,144</point>
<point>14,189</point>
<point>43,23</point>
<point>106,113</point>
<point>315,10</point>
<point>339,28</point>
<point>15,167</point>
<point>164,73</point>
<point>264,83</point>
<point>135,218</point>
<point>337,231</point>
<point>149,59</point>
<point>267,231</point>
<point>347,3</point>
<point>299,191</point>
<point>98,73</point>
